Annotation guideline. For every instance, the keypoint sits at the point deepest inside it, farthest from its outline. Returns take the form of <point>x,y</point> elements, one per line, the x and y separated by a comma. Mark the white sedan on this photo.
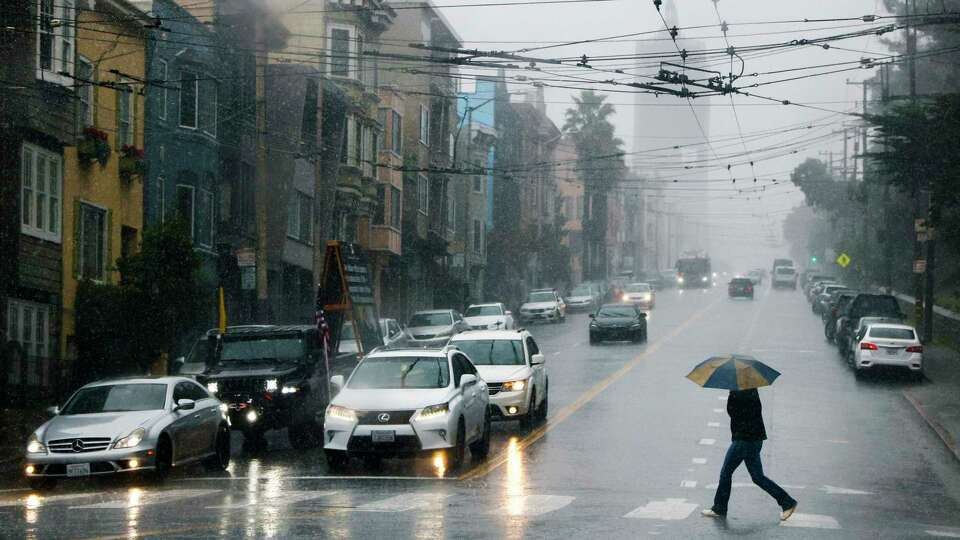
<point>488,317</point>
<point>888,345</point>
<point>408,402</point>
<point>511,363</point>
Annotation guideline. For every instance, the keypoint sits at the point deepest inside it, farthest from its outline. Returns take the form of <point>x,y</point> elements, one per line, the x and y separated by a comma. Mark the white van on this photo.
<point>784,277</point>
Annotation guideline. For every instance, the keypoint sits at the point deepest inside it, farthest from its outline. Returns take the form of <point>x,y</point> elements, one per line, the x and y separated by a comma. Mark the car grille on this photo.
<point>373,417</point>
<point>240,384</point>
<point>425,336</point>
<point>79,445</point>
<point>494,388</point>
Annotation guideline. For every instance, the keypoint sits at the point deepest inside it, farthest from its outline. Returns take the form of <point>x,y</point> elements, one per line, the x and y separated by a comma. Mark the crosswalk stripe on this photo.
<point>533,505</point>
<point>403,503</point>
<point>283,498</point>
<point>811,521</point>
<point>666,510</point>
<point>136,498</point>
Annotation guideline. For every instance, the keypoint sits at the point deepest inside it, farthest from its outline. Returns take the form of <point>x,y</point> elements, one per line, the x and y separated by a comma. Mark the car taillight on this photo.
<point>865,346</point>
<point>915,348</point>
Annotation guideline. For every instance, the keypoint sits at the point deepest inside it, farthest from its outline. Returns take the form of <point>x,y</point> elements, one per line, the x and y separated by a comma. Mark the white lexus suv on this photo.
<point>408,402</point>
<point>515,371</point>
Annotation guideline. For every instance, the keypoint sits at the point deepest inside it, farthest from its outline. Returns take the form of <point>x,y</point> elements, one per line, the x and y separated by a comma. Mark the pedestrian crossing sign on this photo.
<point>843,260</point>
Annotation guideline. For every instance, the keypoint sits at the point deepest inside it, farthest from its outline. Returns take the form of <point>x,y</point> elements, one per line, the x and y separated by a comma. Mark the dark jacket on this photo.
<point>746,416</point>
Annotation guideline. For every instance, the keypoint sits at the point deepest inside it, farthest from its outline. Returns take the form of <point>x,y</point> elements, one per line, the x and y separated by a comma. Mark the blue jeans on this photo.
<point>747,452</point>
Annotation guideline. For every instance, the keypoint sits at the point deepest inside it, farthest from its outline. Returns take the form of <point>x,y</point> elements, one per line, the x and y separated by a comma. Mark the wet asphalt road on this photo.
<point>631,449</point>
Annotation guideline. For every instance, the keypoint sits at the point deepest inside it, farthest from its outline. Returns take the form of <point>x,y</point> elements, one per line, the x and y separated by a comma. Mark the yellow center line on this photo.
<point>564,413</point>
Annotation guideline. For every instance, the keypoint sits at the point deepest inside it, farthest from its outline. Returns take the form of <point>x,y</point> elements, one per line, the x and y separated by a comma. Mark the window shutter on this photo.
<point>76,238</point>
<point>108,248</point>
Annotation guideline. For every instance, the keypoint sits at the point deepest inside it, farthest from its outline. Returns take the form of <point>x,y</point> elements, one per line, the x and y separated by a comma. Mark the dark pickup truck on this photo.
<point>865,305</point>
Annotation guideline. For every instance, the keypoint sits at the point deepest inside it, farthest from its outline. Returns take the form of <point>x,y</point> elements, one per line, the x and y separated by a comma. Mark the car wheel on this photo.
<point>542,413</point>
<point>42,484</point>
<point>336,460</point>
<point>456,454</point>
<point>163,462</point>
<point>220,459</point>
<point>303,436</point>
<point>644,335</point>
<point>593,339</point>
<point>481,448</point>
<point>528,420</point>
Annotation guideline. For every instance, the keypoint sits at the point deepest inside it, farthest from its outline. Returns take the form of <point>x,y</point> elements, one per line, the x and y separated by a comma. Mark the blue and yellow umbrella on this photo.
<point>733,372</point>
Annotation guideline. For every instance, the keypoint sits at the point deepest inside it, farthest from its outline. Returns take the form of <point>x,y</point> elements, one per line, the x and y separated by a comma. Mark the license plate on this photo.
<point>379,436</point>
<point>78,469</point>
<point>892,351</point>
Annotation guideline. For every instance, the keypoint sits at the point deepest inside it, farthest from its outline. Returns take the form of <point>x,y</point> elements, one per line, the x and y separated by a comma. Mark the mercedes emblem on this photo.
<point>77,445</point>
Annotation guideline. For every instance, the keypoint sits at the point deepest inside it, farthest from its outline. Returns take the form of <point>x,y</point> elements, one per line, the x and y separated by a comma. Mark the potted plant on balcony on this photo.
<point>93,146</point>
<point>132,162</point>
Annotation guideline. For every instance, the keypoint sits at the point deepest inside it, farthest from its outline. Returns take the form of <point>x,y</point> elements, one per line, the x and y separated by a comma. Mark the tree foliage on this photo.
<point>588,125</point>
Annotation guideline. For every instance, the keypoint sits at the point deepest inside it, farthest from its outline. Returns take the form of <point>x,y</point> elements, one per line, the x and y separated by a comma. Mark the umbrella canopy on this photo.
<point>733,372</point>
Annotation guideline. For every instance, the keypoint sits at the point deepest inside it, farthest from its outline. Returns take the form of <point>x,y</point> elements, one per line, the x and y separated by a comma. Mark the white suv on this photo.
<point>543,305</point>
<point>407,402</point>
<point>515,371</point>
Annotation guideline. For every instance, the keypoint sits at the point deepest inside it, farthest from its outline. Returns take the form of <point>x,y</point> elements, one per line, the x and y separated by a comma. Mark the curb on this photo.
<point>941,432</point>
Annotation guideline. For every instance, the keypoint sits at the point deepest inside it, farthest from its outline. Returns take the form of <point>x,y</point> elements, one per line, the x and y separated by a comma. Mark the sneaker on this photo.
<point>708,512</point>
<point>785,515</point>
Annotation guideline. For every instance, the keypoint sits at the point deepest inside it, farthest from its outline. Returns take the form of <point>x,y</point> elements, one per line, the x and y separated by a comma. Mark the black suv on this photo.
<point>866,305</point>
<point>270,377</point>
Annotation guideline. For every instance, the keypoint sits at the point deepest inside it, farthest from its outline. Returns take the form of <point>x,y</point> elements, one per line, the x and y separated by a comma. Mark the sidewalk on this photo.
<point>938,401</point>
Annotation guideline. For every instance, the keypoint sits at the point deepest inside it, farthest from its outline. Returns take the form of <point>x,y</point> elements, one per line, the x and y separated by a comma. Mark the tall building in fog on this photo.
<point>674,220</point>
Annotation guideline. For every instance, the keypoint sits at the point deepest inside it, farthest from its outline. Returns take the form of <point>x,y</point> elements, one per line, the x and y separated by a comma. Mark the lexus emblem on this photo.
<point>77,445</point>
<point>383,417</point>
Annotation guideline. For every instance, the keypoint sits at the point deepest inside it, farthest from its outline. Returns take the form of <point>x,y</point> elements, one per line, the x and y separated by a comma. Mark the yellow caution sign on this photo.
<point>843,260</point>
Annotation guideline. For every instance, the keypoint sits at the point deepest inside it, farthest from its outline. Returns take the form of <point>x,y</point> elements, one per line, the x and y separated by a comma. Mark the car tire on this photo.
<point>455,455</point>
<point>42,484</point>
<point>528,420</point>
<point>303,436</point>
<point>336,460</point>
<point>644,335</point>
<point>593,340</point>
<point>163,461</point>
<point>544,407</point>
<point>481,448</point>
<point>220,459</point>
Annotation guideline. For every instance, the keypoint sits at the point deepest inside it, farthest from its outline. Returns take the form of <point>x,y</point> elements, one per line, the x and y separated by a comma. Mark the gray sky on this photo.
<point>514,27</point>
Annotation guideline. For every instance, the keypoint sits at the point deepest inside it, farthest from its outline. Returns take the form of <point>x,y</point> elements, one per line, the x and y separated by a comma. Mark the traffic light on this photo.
<point>813,259</point>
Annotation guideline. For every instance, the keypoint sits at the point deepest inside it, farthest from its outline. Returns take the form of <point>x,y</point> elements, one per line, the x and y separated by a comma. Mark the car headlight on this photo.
<point>625,297</point>
<point>272,385</point>
<point>131,440</point>
<point>514,386</point>
<point>679,280</point>
<point>213,387</point>
<point>289,389</point>
<point>34,446</point>
<point>433,411</point>
<point>704,279</point>
<point>343,413</point>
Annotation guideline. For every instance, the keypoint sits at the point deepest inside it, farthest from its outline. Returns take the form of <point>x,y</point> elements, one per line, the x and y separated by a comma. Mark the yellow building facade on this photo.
<point>103,186</point>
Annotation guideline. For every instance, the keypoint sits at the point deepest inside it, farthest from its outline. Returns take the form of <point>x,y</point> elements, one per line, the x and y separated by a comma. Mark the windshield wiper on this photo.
<point>403,378</point>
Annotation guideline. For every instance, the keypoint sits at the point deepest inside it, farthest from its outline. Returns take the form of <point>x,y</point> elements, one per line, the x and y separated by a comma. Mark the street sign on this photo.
<point>246,257</point>
<point>248,278</point>
<point>919,266</point>
<point>843,260</point>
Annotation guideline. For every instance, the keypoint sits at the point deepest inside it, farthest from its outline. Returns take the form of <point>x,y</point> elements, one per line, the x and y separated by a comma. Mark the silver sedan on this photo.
<point>129,425</point>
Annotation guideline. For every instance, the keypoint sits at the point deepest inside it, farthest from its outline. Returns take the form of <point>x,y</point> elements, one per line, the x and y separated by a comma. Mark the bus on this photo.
<point>693,271</point>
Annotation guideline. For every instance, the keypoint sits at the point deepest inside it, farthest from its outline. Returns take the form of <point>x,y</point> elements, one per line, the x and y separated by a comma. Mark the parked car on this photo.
<point>129,425</point>
<point>825,297</point>
<point>785,277</point>
<point>392,332</point>
<point>641,295</point>
<point>833,314</point>
<point>409,402</point>
<point>814,279</point>
<point>888,345</point>
<point>583,297</point>
<point>543,305</point>
<point>433,328</point>
<point>817,288</point>
<point>866,305</point>
<point>740,287</point>
<point>270,378</point>
<point>846,348</point>
<point>489,316</point>
<point>515,370</point>
<point>619,322</point>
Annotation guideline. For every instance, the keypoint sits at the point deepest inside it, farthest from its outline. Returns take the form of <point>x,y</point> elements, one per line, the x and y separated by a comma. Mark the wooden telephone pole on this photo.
<point>260,194</point>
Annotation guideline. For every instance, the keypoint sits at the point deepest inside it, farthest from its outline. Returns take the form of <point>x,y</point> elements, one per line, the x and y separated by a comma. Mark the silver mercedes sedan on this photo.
<point>129,425</point>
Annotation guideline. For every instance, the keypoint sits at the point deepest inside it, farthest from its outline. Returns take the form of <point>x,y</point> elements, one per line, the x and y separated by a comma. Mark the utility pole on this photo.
<point>918,277</point>
<point>845,170</point>
<point>263,310</point>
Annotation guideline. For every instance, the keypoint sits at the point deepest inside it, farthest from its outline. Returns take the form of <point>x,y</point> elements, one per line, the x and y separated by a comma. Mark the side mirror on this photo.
<point>537,359</point>
<point>508,313</point>
<point>467,379</point>
<point>337,382</point>
<point>53,411</point>
<point>185,405</point>
<point>643,315</point>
